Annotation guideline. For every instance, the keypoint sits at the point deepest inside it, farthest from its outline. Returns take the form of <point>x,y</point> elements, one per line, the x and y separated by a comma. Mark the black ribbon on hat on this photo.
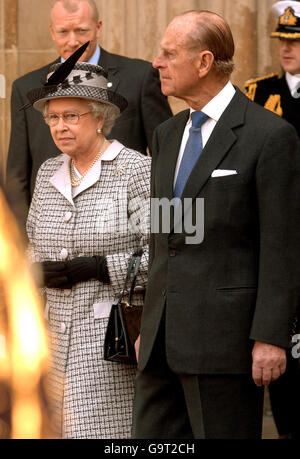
<point>60,75</point>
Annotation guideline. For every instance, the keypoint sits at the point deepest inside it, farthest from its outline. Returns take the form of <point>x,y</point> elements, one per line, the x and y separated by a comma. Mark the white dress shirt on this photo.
<point>293,82</point>
<point>214,110</point>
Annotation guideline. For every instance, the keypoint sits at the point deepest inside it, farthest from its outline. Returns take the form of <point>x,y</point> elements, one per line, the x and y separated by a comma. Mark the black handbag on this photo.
<point>124,321</point>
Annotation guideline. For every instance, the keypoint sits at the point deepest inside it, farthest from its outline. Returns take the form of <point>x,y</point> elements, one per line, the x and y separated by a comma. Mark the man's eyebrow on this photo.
<point>168,48</point>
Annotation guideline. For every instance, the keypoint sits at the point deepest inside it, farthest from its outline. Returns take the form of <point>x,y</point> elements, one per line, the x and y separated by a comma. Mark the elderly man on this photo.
<point>219,309</point>
<point>281,94</point>
<point>73,23</point>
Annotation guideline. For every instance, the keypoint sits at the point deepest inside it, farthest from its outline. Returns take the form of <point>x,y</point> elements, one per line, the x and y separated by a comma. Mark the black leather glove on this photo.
<point>64,274</point>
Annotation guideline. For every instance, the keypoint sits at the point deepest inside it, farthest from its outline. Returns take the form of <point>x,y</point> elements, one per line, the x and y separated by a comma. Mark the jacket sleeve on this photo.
<point>152,195</point>
<point>19,160</point>
<point>154,105</point>
<point>278,190</point>
<point>138,214</point>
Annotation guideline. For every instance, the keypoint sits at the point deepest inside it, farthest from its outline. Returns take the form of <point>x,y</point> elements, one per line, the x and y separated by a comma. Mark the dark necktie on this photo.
<point>192,152</point>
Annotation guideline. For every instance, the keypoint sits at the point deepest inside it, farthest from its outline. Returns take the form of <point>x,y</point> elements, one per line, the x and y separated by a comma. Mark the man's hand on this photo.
<point>268,363</point>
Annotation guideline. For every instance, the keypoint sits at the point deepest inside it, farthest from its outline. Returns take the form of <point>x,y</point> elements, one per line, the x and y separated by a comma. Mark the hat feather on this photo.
<point>66,67</point>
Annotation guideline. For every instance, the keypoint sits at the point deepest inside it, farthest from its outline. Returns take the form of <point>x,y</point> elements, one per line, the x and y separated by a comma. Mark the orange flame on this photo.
<point>23,348</point>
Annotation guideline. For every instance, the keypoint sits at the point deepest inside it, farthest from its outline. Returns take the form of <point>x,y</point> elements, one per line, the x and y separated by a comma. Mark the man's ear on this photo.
<point>51,31</point>
<point>99,28</point>
<point>206,62</point>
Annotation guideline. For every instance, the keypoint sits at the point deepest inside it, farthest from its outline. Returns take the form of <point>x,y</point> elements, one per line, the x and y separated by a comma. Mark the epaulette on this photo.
<point>251,85</point>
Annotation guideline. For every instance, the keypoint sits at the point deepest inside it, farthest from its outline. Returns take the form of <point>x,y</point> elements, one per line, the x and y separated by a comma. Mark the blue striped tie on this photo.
<point>191,153</point>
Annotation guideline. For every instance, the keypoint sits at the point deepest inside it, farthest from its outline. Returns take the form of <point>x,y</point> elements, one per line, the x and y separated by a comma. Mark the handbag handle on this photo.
<point>138,257</point>
<point>134,263</point>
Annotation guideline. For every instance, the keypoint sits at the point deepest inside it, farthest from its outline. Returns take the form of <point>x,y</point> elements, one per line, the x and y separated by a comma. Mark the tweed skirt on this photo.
<point>91,398</point>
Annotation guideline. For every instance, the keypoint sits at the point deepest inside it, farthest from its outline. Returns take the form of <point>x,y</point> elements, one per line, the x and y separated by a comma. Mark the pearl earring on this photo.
<point>99,131</point>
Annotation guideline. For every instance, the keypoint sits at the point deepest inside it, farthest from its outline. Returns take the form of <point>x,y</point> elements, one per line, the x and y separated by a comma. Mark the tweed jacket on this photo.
<point>30,140</point>
<point>108,215</point>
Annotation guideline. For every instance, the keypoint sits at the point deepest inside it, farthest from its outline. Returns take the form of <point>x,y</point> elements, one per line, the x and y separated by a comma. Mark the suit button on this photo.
<point>67,216</point>
<point>172,253</point>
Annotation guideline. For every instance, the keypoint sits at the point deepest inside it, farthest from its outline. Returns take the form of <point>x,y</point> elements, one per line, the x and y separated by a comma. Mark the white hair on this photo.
<point>108,112</point>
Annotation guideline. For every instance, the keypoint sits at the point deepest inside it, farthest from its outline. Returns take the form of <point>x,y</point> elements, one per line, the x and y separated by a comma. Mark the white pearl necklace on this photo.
<point>77,181</point>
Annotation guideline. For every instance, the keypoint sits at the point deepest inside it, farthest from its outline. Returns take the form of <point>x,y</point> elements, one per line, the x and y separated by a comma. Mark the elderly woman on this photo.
<point>89,214</point>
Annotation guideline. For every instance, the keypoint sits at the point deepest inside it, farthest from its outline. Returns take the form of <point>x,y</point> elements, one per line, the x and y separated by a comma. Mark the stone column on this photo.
<point>267,53</point>
<point>8,68</point>
<point>241,16</point>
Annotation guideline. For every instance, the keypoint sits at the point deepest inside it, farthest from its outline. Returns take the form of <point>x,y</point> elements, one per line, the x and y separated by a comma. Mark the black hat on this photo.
<point>76,79</point>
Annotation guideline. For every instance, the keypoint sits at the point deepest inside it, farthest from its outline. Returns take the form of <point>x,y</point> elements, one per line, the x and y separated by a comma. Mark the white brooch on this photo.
<point>120,168</point>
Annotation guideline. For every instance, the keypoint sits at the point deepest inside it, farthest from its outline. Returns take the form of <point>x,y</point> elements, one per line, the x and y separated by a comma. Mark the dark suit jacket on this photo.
<point>31,143</point>
<point>242,282</point>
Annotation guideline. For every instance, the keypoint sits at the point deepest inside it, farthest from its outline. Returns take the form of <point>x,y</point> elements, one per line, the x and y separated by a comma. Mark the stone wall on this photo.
<point>133,28</point>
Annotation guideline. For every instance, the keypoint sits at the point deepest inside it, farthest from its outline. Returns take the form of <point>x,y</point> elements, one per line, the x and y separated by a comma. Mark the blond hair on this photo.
<point>73,5</point>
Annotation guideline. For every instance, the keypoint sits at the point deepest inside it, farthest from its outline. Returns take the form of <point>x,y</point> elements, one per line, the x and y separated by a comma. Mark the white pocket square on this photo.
<point>222,172</point>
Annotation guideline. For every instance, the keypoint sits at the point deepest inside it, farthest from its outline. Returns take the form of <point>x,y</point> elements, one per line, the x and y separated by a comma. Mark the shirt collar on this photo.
<point>216,106</point>
<point>112,151</point>
<point>61,179</point>
<point>292,80</point>
<point>94,59</point>
<point>109,155</point>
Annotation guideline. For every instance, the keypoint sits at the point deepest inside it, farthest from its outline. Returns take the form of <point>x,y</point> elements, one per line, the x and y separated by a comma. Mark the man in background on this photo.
<point>73,23</point>
<point>281,94</point>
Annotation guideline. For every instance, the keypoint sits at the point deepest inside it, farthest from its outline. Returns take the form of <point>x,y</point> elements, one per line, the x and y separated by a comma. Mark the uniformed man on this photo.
<point>281,93</point>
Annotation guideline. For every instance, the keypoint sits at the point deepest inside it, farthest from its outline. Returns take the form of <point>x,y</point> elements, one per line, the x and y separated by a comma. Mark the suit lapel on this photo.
<point>167,160</point>
<point>218,145</point>
<point>107,62</point>
<point>61,179</point>
<point>213,153</point>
